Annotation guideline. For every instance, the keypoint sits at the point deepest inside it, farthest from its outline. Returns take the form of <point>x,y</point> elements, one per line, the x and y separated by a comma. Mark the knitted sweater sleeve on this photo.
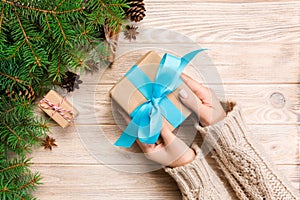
<point>248,172</point>
<point>197,180</point>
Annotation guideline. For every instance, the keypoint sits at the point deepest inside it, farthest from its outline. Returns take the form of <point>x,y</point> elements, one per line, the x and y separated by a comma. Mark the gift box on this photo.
<point>149,94</point>
<point>58,108</point>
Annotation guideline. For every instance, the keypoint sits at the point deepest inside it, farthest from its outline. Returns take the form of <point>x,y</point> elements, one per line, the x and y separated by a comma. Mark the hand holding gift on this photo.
<point>148,93</point>
<point>171,151</point>
<point>210,110</point>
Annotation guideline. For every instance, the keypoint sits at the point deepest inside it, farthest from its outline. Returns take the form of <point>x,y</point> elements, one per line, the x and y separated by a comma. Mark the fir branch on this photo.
<point>1,18</point>
<point>47,21</point>
<point>20,186</point>
<point>20,130</point>
<point>115,4</point>
<point>100,55</point>
<point>4,142</point>
<point>35,138</point>
<point>61,29</point>
<point>19,150</point>
<point>13,78</point>
<point>77,59</point>
<point>85,32</point>
<point>54,12</point>
<point>26,38</point>
<point>58,66</point>
<point>110,12</point>
<point>17,49</point>
<point>22,164</point>
<point>95,49</point>
<point>60,3</point>
<point>13,108</point>
<point>5,189</point>
<point>40,41</point>
<point>31,182</point>
<point>12,131</point>
<point>19,196</point>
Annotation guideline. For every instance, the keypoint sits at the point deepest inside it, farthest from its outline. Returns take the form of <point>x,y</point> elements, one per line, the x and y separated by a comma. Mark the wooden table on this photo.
<point>255,48</point>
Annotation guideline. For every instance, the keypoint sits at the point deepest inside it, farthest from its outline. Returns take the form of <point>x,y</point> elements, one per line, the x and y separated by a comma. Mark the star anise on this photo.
<point>131,32</point>
<point>48,143</point>
<point>93,66</point>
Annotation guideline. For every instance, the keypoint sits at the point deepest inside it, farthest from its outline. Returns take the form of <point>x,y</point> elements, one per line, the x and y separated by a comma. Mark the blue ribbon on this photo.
<point>146,122</point>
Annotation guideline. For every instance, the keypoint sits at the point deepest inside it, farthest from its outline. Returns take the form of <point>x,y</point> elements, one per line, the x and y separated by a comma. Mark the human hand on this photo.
<point>209,110</point>
<point>170,151</point>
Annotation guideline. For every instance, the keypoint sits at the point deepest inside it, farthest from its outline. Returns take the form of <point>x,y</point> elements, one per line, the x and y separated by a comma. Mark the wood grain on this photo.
<point>95,105</point>
<point>277,140</point>
<point>251,63</point>
<point>253,58</point>
<point>103,182</point>
<point>235,22</point>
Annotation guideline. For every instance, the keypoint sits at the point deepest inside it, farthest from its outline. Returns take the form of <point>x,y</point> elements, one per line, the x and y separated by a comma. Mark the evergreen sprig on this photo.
<point>20,130</point>
<point>19,127</point>
<point>40,40</point>
<point>16,179</point>
<point>47,34</point>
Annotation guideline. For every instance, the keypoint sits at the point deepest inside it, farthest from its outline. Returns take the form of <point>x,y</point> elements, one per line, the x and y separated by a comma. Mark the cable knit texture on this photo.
<point>250,176</point>
<point>197,180</point>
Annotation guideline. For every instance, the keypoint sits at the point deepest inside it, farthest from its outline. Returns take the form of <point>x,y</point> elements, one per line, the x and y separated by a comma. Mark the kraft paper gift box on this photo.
<point>58,108</point>
<point>129,97</point>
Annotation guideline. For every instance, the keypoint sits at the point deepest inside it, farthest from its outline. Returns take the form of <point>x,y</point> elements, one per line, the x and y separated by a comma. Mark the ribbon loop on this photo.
<point>147,122</point>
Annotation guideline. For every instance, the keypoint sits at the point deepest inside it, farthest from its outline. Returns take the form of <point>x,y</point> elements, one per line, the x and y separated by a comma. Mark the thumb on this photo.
<point>191,101</point>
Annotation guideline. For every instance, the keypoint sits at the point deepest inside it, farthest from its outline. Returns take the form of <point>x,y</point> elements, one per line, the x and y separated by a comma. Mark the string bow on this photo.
<point>57,108</point>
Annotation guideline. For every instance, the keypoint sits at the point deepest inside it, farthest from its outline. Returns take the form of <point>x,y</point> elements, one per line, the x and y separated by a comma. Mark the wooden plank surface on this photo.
<point>281,146</point>
<point>273,22</point>
<point>257,102</point>
<point>103,182</point>
<point>253,58</point>
<point>258,62</point>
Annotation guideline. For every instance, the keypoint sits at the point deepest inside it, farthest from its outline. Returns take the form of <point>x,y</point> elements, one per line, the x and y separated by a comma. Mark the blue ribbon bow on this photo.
<point>146,122</point>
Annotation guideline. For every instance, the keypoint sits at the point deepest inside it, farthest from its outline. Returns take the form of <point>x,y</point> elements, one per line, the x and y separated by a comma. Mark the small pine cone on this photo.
<point>70,81</point>
<point>137,10</point>
<point>28,93</point>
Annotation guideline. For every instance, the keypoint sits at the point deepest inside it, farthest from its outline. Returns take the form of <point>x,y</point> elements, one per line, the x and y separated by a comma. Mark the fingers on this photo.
<point>146,148</point>
<point>172,152</point>
<point>191,101</point>
<point>201,91</point>
<point>167,136</point>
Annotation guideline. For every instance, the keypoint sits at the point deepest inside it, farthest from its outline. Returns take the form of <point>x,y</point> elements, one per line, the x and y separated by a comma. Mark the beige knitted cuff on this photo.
<point>236,153</point>
<point>228,132</point>
<point>197,180</point>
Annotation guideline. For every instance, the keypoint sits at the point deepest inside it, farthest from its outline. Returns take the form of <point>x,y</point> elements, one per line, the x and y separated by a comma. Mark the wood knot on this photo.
<point>277,100</point>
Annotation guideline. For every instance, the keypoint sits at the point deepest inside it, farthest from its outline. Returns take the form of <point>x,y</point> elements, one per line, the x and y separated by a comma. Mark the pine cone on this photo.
<point>70,81</point>
<point>137,10</point>
<point>22,93</point>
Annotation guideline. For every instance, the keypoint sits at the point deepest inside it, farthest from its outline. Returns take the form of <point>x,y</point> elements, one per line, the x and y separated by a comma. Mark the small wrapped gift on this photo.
<point>58,108</point>
<point>149,94</point>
